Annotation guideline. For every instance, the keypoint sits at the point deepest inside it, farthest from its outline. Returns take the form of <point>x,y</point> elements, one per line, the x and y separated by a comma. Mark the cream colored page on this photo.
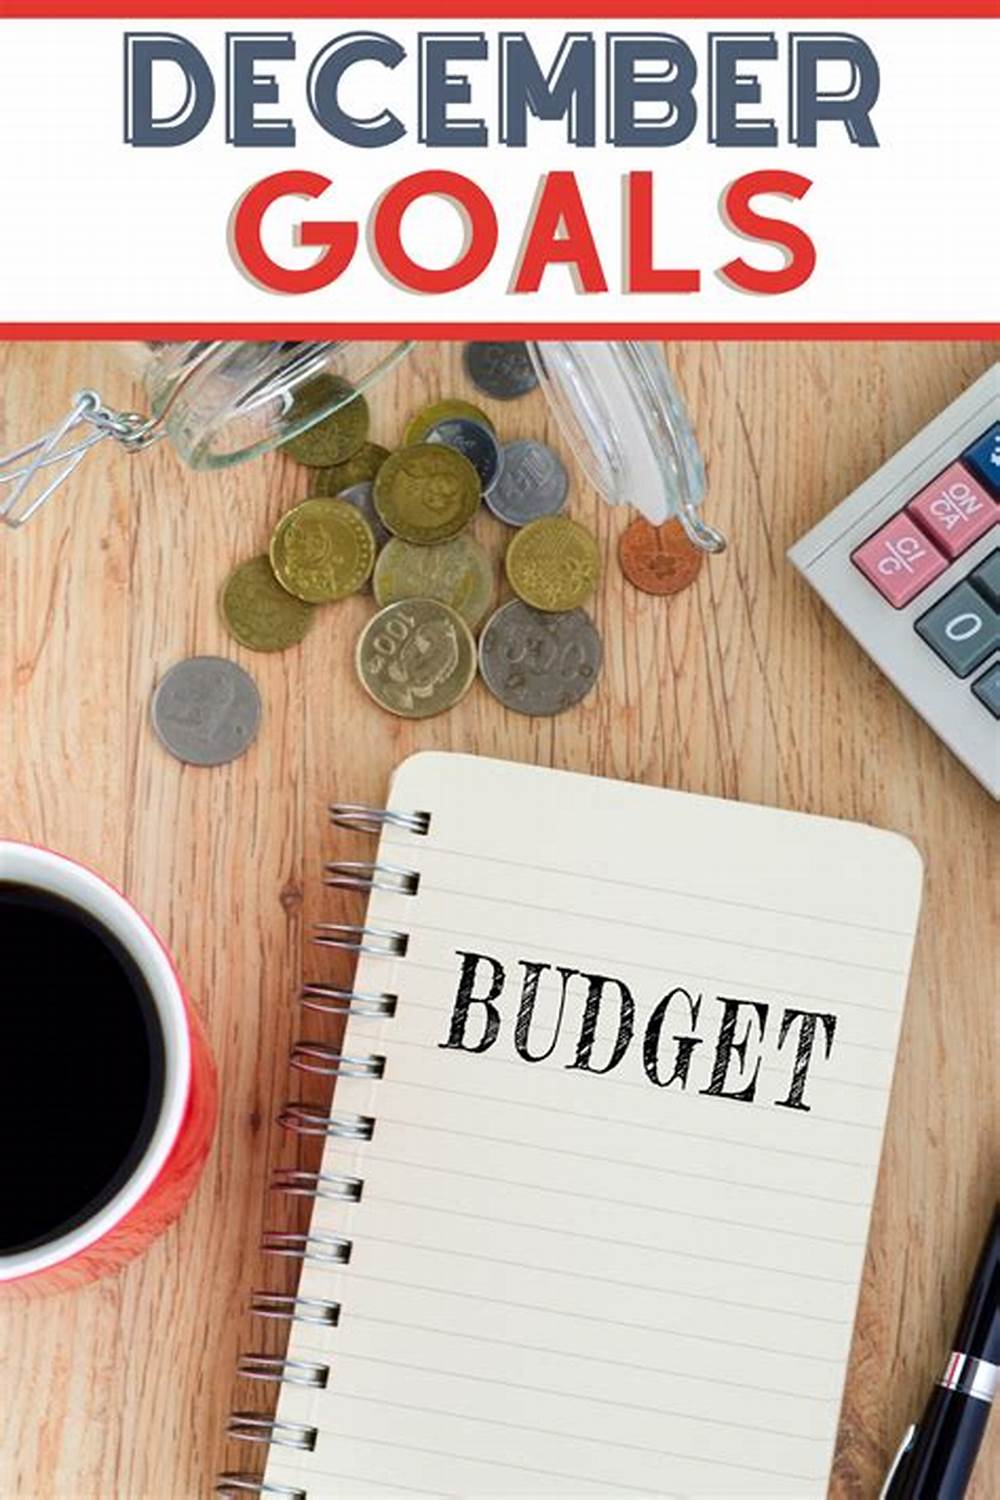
<point>569,1281</point>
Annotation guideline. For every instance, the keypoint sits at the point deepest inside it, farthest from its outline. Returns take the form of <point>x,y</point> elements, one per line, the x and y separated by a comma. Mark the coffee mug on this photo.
<point>108,1092</point>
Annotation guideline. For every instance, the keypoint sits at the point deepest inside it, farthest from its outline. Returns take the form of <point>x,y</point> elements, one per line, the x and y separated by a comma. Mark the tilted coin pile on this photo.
<point>402,519</point>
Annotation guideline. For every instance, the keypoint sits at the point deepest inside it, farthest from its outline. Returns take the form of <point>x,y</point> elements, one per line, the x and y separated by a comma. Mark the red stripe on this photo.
<point>536,330</point>
<point>529,9</point>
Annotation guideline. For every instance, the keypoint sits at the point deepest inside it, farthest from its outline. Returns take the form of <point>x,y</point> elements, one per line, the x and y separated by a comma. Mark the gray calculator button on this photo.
<point>962,628</point>
<point>986,578</point>
<point>987,689</point>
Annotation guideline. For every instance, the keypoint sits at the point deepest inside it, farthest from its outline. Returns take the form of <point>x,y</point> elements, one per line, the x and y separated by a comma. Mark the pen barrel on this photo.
<point>939,1462</point>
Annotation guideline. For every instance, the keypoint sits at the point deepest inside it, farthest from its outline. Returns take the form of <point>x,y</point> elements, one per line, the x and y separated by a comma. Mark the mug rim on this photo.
<point>33,865</point>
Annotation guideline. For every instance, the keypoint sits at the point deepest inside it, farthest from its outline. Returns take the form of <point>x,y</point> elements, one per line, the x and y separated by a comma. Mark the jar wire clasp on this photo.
<point>62,449</point>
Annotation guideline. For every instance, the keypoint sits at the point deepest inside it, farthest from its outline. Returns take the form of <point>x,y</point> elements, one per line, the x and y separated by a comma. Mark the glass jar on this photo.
<point>221,403</point>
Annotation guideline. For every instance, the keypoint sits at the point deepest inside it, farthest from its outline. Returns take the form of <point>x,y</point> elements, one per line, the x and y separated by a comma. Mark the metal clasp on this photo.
<point>63,449</point>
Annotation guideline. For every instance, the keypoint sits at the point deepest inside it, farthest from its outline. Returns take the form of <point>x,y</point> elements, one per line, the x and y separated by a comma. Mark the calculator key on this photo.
<point>954,510</point>
<point>962,628</point>
<point>983,458</point>
<point>899,560</point>
<point>986,578</point>
<point>987,689</point>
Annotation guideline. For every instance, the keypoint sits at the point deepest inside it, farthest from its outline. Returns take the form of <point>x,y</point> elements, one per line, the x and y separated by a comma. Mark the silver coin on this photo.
<point>539,663</point>
<point>501,370</point>
<point>475,442</point>
<point>206,710</point>
<point>362,497</point>
<point>533,482</point>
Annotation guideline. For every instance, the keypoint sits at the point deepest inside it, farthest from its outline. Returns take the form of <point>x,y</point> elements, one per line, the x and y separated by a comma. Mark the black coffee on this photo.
<point>81,1066</point>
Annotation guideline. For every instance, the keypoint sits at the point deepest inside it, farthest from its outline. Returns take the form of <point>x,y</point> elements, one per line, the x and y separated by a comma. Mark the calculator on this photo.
<point>910,564</point>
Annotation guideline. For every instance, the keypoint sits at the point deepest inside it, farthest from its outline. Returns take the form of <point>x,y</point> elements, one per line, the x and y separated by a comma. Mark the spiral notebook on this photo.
<point>593,1206</point>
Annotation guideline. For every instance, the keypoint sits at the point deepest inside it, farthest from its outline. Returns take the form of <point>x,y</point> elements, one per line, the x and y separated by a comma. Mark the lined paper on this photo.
<point>581,1282</point>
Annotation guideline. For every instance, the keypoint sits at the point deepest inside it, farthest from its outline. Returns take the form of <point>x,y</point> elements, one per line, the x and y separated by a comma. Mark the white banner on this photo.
<point>643,197</point>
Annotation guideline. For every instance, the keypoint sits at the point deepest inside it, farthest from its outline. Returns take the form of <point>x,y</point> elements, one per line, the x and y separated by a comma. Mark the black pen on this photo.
<point>936,1456</point>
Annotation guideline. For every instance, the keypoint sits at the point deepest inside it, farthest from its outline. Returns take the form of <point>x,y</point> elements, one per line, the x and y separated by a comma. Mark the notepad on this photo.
<point>613,1210</point>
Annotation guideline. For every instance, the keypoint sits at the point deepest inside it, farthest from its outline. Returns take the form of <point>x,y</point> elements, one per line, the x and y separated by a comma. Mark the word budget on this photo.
<point>593,1023</point>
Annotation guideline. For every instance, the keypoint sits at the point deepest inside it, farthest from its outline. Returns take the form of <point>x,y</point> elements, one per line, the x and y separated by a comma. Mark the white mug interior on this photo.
<point>24,864</point>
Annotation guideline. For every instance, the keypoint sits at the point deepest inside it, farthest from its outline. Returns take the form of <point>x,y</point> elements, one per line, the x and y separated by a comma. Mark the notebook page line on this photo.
<point>508,902</point>
<point>603,1281</point>
<point>413,847</point>
<point>397,1161</point>
<point>445,1291</point>
<point>541,1390</point>
<point>605,1442</point>
<point>611,1161</point>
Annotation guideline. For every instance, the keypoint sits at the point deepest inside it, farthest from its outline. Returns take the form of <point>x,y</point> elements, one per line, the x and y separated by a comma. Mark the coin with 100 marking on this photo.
<point>416,658</point>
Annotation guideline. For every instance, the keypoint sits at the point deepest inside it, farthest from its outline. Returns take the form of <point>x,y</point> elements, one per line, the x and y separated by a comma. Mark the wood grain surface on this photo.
<point>745,686</point>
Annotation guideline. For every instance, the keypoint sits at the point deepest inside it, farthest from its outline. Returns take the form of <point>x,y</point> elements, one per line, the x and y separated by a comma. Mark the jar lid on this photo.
<point>625,421</point>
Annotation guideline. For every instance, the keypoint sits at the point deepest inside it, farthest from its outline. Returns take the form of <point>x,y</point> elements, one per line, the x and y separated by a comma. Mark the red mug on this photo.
<point>178,1097</point>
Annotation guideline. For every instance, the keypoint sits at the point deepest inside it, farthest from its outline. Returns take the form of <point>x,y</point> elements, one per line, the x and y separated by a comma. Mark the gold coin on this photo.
<point>333,438</point>
<point>416,658</point>
<point>422,421</point>
<point>456,572</point>
<point>427,493</point>
<point>553,563</point>
<point>322,550</point>
<point>258,612</point>
<point>360,468</point>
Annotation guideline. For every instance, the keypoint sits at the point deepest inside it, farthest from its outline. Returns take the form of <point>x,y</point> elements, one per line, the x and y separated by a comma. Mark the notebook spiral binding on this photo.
<point>300,1118</point>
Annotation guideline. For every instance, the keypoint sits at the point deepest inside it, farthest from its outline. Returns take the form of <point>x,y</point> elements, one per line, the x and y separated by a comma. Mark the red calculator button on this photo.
<point>954,510</point>
<point>899,560</point>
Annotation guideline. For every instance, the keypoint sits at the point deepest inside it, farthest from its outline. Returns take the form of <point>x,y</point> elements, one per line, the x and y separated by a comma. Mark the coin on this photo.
<point>258,612</point>
<point>416,658</point>
<point>553,563</point>
<point>456,572</point>
<point>206,710</point>
<point>360,468</point>
<point>476,442</point>
<point>333,438</point>
<point>362,497</point>
<point>322,550</point>
<point>427,493</point>
<point>538,663</point>
<point>422,421</point>
<point>658,559</point>
<point>533,482</point>
<point>501,370</point>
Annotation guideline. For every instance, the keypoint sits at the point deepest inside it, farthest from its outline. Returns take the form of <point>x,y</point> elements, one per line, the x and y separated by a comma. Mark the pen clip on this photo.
<point>904,1446</point>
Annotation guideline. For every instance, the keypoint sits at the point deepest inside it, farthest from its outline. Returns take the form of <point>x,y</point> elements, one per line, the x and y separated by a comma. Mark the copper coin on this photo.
<point>658,559</point>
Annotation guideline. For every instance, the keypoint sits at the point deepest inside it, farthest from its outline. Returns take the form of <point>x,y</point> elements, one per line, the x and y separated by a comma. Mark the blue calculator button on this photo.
<point>962,628</point>
<point>983,458</point>
<point>987,689</point>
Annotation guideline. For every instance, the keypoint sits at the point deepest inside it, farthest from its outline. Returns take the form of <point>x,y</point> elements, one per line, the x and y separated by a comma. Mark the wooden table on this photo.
<point>745,686</point>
